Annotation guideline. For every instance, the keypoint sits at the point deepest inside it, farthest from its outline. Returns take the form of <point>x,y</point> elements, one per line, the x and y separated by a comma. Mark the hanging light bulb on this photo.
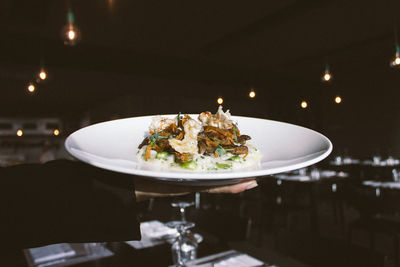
<point>220,100</point>
<point>42,74</point>
<point>252,94</point>
<point>396,61</point>
<point>70,32</point>
<point>304,104</point>
<point>31,87</point>
<point>327,76</point>
<point>19,132</point>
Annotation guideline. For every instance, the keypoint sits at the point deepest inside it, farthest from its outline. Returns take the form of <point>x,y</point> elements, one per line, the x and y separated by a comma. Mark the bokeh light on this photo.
<point>252,94</point>
<point>31,88</point>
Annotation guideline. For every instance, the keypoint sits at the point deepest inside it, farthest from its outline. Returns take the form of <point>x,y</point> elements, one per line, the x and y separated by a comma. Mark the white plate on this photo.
<point>113,145</point>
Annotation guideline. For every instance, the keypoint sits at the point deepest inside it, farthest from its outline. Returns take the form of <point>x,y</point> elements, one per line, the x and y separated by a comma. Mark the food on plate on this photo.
<point>210,143</point>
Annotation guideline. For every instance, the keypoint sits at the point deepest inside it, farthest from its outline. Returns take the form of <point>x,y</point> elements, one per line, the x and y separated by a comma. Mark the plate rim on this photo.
<point>201,176</point>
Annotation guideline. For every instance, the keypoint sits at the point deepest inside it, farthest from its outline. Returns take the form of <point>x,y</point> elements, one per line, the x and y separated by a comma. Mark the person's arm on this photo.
<point>64,201</point>
<point>145,189</point>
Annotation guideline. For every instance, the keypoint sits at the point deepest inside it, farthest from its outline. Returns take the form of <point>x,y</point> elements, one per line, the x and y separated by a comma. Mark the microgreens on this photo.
<point>221,151</point>
<point>179,116</point>
<point>155,137</point>
<point>234,133</point>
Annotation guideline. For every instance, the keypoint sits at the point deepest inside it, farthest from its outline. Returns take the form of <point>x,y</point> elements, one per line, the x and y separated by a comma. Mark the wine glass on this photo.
<point>184,248</point>
<point>182,205</point>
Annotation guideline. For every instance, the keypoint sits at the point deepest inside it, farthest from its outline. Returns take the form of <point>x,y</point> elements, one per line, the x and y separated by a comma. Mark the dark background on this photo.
<point>150,57</point>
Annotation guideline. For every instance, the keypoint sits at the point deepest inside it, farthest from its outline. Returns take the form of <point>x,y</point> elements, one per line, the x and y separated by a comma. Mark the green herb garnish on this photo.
<point>179,117</point>
<point>234,133</point>
<point>162,155</point>
<point>191,165</point>
<point>155,137</point>
<point>222,151</point>
<point>234,158</point>
<point>223,165</point>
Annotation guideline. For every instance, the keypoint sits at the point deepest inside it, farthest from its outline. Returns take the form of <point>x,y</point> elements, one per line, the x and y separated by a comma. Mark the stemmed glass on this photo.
<point>182,205</point>
<point>184,248</point>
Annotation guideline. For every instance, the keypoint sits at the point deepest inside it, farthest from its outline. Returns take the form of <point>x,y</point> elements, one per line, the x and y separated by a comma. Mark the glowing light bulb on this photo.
<point>220,100</point>
<point>304,104</point>
<point>338,100</point>
<point>42,74</point>
<point>19,132</point>
<point>395,62</point>
<point>70,32</point>
<point>71,35</point>
<point>31,88</point>
<point>252,94</point>
<point>56,132</point>
<point>327,76</point>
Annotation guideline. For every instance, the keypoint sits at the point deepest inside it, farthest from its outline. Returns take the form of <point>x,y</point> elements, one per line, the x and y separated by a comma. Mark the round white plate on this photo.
<point>113,145</point>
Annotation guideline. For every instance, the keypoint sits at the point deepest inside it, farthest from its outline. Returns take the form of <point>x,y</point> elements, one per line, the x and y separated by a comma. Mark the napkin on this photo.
<point>156,229</point>
<point>226,258</point>
<point>152,234</point>
<point>242,260</point>
<point>51,253</point>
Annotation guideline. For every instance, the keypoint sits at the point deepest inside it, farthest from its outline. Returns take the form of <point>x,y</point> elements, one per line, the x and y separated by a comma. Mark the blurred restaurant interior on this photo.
<point>330,65</point>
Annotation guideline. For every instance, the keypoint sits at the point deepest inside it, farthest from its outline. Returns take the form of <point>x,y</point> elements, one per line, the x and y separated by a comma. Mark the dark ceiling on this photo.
<point>273,45</point>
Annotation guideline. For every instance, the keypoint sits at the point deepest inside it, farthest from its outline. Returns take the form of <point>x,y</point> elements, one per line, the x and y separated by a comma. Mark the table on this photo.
<point>127,256</point>
<point>310,182</point>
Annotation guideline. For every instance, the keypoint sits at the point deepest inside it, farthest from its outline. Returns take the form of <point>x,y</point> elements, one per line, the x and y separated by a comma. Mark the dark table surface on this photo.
<point>125,255</point>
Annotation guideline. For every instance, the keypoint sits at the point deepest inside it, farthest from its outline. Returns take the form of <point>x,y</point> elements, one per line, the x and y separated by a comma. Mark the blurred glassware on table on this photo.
<point>315,174</point>
<point>184,248</point>
<point>391,161</point>
<point>182,205</point>
<point>376,160</point>
<point>395,175</point>
<point>303,171</point>
<point>338,160</point>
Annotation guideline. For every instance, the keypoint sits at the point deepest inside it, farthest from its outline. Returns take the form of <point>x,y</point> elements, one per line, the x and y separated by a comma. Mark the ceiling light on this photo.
<point>252,94</point>
<point>19,132</point>
<point>31,88</point>
<point>56,132</point>
<point>70,32</point>
<point>327,76</point>
<point>338,99</point>
<point>42,74</point>
<point>304,104</point>
<point>220,100</point>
